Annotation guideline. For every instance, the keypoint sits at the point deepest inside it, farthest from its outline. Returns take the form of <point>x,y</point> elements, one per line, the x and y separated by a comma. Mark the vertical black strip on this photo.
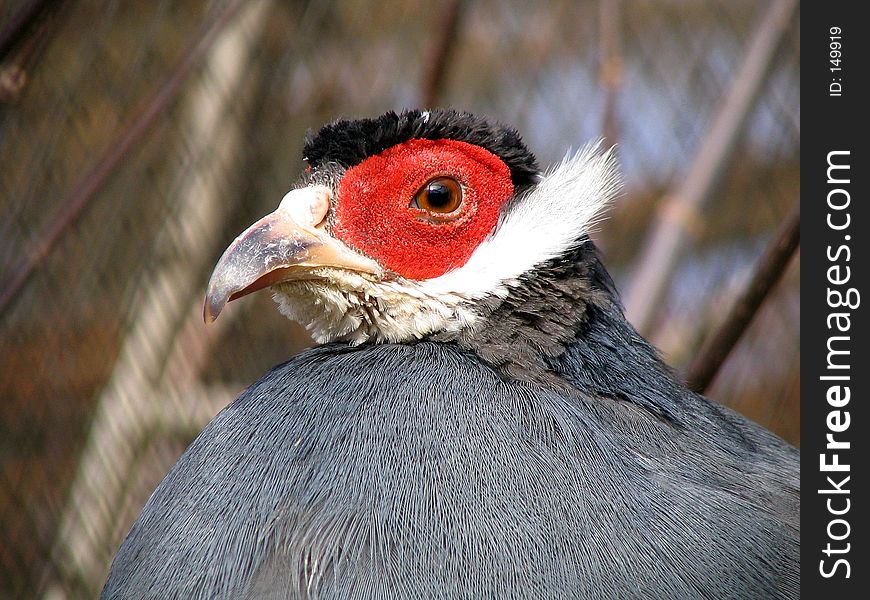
<point>835,301</point>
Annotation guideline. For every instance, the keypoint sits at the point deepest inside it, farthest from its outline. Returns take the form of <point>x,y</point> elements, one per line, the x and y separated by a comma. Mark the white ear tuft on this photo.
<point>543,224</point>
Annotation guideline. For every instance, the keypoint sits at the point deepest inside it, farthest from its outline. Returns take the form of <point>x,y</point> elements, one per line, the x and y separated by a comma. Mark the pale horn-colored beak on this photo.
<point>278,247</point>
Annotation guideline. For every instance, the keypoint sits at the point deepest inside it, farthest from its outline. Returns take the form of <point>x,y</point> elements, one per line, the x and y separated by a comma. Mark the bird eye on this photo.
<point>439,196</point>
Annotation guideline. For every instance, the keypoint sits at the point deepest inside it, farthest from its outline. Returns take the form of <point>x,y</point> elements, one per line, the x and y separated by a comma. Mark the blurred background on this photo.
<point>137,138</point>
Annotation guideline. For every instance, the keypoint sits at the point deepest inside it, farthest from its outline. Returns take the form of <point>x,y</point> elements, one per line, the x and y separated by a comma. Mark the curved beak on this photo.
<point>279,247</point>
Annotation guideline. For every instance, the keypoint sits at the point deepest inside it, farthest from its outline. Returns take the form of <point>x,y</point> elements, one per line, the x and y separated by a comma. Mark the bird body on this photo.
<point>523,443</point>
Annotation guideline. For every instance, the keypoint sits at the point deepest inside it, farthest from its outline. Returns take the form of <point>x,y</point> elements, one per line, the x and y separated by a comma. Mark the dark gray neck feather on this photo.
<point>563,328</point>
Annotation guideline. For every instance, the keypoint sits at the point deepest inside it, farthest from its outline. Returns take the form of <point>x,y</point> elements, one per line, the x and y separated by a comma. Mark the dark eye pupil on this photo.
<point>438,195</point>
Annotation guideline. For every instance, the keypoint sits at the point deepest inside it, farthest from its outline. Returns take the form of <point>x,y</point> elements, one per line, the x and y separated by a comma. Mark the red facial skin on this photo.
<point>374,212</point>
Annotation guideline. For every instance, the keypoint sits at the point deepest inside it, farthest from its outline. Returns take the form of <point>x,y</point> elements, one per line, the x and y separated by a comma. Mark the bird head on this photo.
<point>412,225</point>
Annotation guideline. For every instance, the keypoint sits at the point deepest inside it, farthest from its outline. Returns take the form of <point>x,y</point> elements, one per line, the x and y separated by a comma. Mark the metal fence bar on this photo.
<point>669,234</point>
<point>766,274</point>
<point>29,13</point>
<point>610,65</point>
<point>442,53</point>
<point>126,142</point>
<point>98,489</point>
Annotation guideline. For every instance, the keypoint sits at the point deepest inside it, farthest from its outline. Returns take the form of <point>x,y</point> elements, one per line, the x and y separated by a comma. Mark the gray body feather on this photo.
<point>419,471</point>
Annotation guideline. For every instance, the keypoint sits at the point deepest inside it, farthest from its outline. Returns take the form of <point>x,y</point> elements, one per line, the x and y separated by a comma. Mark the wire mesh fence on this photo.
<point>137,138</point>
